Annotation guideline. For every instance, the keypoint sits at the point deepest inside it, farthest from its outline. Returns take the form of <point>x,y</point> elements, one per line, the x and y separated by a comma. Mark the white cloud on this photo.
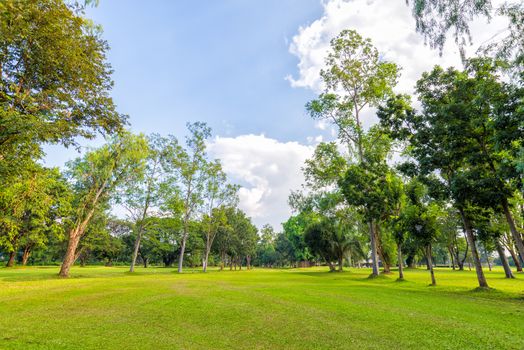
<point>390,26</point>
<point>267,169</point>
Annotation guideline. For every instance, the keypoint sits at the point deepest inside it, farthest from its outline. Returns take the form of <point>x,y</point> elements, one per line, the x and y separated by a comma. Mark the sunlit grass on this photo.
<point>155,308</point>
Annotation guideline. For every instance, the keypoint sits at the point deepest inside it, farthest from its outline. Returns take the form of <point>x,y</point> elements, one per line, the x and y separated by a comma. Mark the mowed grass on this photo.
<point>156,308</point>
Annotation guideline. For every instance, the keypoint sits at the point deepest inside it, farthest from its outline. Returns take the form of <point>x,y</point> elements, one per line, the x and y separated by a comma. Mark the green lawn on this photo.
<point>155,308</point>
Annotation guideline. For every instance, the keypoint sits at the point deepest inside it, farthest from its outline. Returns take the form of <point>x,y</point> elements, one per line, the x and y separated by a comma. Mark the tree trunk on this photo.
<point>471,242</point>
<point>430,264</point>
<point>145,261</point>
<point>341,263</point>
<point>380,249</point>
<point>514,232</point>
<point>400,263</point>
<point>487,258</point>
<point>206,257</point>
<point>136,248</point>
<point>374,257</point>
<point>25,256</point>
<point>222,261</point>
<point>503,259</point>
<point>452,257</point>
<point>11,261</point>
<point>461,262</point>
<point>70,256</point>
<point>516,260</point>
<point>182,249</point>
<point>248,262</point>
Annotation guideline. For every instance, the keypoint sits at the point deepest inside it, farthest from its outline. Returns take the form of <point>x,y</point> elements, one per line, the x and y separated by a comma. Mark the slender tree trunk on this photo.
<point>514,232</point>
<point>516,260</point>
<point>503,259</point>
<point>206,257</point>
<point>145,261</point>
<point>452,257</point>
<point>70,256</point>
<point>248,262</point>
<point>341,263</point>
<point>461,262</point>
<point>430,264</point>
<point>471,240</point>
<point>11,261</point>
<point>182,249</point>
<point>222,261</point>
<point>374,257</point>
<point>487,258</point>
<point>400,263</point>
<point>25,256</point>
<point>136,248</point>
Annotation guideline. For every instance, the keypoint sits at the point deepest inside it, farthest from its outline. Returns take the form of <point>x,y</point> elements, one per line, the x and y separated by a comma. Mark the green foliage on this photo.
<point>33,209</point>
<point>55,82</point>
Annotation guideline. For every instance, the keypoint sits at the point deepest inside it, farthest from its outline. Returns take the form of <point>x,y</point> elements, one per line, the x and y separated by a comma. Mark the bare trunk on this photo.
<point>341,263</point>
<point>248,262</point>
<point>182,249</point>
<point>25,256</point>
<point>452,257</point>
<point>516,260</point>
<point>471,242</point>
<point>136,248</point>
<point>430,264</point>
<point>206,259</point>
<point>70,256</point>
<point>514,232</point>
<point>400,263</point>
<point>504,259</point>
<point>11,261</point>
<point>374,257</point>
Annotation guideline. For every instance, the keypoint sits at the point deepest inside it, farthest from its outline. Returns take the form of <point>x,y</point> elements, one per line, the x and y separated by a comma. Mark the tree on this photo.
<point>375,190</point>
<point>94,177</point>
<point>142,195</point>
<point>217,195</point>
<point>420,220</point>
<point>54,82</point>
<point>186,179</point>
<point>456,139</point>
<point>435,18</point>
<point>356,78</point>
<point>33,206</point>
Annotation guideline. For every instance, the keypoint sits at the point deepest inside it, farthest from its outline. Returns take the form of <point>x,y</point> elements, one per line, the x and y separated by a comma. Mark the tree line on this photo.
<point>438,179</point>
<point>55,87</point>
<point>441,169</point>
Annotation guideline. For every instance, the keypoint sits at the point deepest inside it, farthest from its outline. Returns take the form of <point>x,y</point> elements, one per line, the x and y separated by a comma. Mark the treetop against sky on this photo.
<point>247,68</point>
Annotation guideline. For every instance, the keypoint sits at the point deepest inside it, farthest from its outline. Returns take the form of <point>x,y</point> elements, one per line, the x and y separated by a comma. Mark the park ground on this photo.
<point>156,308</point>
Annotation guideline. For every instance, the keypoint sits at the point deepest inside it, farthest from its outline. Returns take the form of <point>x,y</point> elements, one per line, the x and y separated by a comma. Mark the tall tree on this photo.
<point>186,180</point>
<point>355,78</point>
<point>32,206</point>
<point>217,193</point>
<point>94,177</point>
<point>142,195</point>
<point>55,81</point>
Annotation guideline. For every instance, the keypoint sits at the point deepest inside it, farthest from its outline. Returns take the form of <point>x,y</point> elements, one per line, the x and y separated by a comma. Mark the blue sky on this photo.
<point>222,62</point>
<point>247,68</point>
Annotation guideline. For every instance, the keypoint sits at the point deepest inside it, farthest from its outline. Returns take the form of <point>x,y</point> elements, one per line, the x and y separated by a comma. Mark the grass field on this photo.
<point>155,308</point>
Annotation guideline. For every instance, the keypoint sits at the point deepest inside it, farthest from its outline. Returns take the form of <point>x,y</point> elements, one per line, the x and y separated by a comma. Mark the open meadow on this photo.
<point>155,308</point>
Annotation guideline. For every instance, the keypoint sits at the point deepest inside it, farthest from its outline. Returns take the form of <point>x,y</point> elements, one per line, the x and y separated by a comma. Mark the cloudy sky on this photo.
<point>247,68</point>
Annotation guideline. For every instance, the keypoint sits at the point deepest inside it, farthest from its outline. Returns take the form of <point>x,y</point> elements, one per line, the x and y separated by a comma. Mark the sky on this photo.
<point>247,68</point>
